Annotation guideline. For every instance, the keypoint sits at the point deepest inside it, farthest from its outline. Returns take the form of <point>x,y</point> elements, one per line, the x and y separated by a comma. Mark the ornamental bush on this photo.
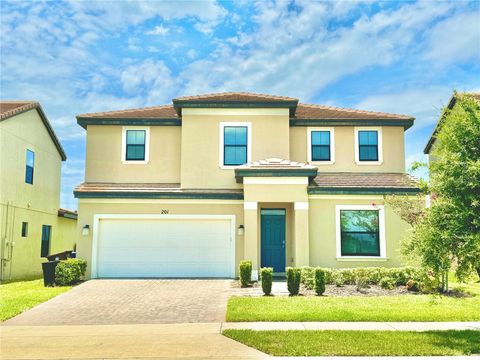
<point>387,283</point>
<point>319,281</point>
<point>293,280</point>
<point>245,272</point>
<point>266,274</point>
<point>308,277</point>
<point>70,271</point>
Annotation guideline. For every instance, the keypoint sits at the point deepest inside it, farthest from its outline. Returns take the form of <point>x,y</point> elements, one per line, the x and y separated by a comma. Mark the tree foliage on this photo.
<point>448,233</point>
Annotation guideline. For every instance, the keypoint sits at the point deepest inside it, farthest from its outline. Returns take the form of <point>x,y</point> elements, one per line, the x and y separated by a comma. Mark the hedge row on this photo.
<point>71,271</point>
<point>386,277</point>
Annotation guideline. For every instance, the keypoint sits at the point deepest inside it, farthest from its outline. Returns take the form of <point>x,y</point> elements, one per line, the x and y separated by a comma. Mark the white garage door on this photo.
<point>165,247</point>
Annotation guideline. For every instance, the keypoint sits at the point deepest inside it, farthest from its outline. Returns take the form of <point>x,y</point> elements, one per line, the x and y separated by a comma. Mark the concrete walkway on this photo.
<point>391,326</point>
<point>158,341</point>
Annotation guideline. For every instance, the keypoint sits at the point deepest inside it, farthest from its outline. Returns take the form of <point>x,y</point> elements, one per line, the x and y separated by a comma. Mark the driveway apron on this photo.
<point>133,301</point>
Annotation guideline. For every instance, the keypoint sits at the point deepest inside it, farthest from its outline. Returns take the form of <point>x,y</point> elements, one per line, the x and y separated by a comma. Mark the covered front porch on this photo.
<point>276,213</point>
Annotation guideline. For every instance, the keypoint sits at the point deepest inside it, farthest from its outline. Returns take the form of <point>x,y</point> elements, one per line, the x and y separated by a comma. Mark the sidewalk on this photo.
<point>391,326</point>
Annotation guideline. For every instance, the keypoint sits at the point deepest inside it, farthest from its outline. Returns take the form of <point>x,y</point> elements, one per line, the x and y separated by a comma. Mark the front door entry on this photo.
<point>273,239</point>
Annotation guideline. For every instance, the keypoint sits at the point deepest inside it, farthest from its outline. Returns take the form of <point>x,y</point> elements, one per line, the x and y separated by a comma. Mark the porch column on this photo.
<point>251,232</point>
<point>301,234</point>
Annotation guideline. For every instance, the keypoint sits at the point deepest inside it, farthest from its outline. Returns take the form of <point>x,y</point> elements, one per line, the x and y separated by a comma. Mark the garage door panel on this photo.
<point>165,248</point>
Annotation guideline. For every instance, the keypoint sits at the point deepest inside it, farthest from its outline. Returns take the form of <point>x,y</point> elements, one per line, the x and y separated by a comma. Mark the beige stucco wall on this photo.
<point>393,150</point>
<point>104,156</point>
<point>35,203</point>
<point>201,143</point>
<point>88,208</point>
<point>17,134</point>
<point>323,232</point>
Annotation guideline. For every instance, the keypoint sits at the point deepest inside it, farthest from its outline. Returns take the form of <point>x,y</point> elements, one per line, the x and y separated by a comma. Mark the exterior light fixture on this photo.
<point>86,230</point>
<point>241,230</point>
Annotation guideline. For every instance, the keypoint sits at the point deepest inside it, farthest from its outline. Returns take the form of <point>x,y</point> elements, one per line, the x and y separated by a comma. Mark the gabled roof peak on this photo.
<point>237,96</point>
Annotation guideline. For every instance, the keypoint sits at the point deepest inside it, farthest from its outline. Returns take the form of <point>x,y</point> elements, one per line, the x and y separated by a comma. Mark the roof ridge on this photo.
<point>352,110</point>
<point>227,93</point>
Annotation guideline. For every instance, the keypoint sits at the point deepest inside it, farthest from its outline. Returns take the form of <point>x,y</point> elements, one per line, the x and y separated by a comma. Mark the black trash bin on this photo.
<point>49,272</point>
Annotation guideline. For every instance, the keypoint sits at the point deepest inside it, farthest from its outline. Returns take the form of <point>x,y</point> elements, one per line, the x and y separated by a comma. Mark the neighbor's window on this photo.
<point>135,149</point>
<point>29,165</point>
<point>46,234</point>
<point>368,145</point>
<point>235,145</point>
<point>360,234</point>
<point>320,145</point>
<point>24,229</point>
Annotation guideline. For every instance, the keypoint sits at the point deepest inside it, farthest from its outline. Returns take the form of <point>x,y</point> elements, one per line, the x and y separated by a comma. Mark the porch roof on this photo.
<point>274,167</point>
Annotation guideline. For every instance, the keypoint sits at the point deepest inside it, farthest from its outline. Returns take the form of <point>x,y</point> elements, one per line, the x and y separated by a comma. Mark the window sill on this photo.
<point>362,258</point>
<point>133,162</point>
<point>228,167</point>
<point>369,162</point>
<point>331,162</point>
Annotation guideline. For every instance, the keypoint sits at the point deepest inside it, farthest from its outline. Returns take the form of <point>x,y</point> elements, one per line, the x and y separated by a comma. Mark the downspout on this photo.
<point>11,243</point>
<point>4,234</point>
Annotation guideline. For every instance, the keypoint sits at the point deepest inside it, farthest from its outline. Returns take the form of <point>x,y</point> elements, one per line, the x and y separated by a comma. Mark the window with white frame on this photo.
<point>135,145</point>
<point>235,144</point>
<point>368,146</point>
<point>360,231</point>
<point>321,145</point>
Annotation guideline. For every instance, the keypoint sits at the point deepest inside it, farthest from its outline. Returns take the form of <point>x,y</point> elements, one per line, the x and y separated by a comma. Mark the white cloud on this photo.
<point>455,39</point>
<point>158,30</point>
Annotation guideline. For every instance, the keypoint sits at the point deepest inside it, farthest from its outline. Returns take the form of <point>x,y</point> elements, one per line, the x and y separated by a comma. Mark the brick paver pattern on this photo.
<point>133,301</point>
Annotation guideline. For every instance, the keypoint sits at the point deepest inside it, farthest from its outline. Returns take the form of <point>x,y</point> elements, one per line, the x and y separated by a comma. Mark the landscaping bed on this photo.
<point>360,343</point>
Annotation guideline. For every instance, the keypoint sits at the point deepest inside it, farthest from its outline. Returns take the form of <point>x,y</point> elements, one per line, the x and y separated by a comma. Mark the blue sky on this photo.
<point>86,56</point>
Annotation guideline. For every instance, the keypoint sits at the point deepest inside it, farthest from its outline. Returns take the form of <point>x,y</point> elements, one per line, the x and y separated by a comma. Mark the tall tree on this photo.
<point>448,233</point>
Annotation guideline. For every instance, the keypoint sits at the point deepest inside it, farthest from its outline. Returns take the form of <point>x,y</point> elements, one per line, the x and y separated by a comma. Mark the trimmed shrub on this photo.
<point>308,277</point>
<point>266,274</point>
<point>337,278</point>
<point>245,272</point>
<point>319,281</point>
<point>387,283</point>
<point>361,278</point>
<point>293,280</point>
<point>412,285</point>
<point>70,271</point>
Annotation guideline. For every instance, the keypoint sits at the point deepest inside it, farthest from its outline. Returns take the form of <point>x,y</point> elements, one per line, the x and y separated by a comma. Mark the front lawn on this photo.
<point>354,308</point>
<point>359,343</point>
<point>18,296</point>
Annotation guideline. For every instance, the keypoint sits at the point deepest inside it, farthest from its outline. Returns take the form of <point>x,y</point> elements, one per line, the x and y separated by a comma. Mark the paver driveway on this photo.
<point>133,301</point>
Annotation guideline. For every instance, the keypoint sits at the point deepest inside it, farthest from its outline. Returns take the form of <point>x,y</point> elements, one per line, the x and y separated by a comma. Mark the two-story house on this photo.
<point>32,225</point>
<point>191,189</point>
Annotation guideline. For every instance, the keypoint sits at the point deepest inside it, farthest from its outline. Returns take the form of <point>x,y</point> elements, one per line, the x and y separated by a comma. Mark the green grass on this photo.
<point>359,343</point>
<point>354,308</point>
<point>18,296</point>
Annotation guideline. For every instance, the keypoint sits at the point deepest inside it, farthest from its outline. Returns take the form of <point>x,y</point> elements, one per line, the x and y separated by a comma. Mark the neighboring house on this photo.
<point>31,223</point>
<point>193,188</point>
<point>451,103</point>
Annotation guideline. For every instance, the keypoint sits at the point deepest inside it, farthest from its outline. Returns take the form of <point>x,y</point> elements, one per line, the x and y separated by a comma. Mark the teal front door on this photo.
<point>273,239</point>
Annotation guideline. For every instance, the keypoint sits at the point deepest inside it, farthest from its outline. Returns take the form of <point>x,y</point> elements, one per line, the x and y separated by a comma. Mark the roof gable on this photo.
<point>9,109</point>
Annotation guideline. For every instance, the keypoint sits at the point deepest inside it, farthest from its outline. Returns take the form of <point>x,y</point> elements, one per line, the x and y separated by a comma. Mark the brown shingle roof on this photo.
<point>236,97</point>
<point>298,111</point>
<point>144,189</point>
<point>10,108</point>
<point>312,111</point>
<point>153,112</point>
<point>365,181</point>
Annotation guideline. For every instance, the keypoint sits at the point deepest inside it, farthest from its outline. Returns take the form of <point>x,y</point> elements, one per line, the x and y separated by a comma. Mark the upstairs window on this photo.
<point>235,145</point>
<point>135,145</point>
<point>29,166</point>
<point>368,145</point>
<point>320,145</point>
